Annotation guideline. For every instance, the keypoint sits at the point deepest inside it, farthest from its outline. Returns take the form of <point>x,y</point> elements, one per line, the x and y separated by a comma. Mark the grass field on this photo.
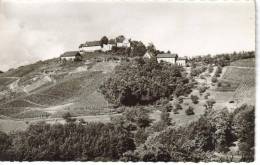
<point>244,63</point>
<point>239,74</point>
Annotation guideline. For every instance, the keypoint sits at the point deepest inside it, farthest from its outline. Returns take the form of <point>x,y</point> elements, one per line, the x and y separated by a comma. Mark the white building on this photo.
<point>171,58</point>
<point>93,46</point>
<point>182,61</point>
<point>90,46</point>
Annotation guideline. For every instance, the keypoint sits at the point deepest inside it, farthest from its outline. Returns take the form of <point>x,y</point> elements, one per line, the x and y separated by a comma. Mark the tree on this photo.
<point>5,145</point>
<point>151,48</point>
<point>244,129</point>
<point>104,41</point>
<point>189,111</point>
<point>138,49</point>
<point>165,117</point>
<point>138,116</point>
<point>214,79</point>
<point>209,104</point>
<point>120,38</point>
<point>144,82</point>
<point>140,136</point>
<point>194,99</point>
<point>68,117</point>
<point>210,69</point>
<point>168,107</point>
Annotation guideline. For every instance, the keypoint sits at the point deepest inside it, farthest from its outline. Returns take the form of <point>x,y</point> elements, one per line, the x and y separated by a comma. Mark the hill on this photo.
<point>241,77</point>
<point>48,89</point>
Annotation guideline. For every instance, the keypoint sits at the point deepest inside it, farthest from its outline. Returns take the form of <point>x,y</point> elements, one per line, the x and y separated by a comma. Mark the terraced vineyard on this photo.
<point>245,93</point>
<point>237,74</point>
<point>242,74</point>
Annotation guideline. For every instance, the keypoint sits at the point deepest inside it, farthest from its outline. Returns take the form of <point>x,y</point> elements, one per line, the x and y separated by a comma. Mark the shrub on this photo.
<point>202,89</point>
<point>140,136</point>
<point>195,99</point>
<point>138,116</point>
<point>68,117</point>
<point>165,117</point>
<point>210,69</point>
<point>214,79</point>
<point>180,100</point>
<point>207,95</point>
<point>209,104</point>
<point>168,107</point>
<point>189,111</point>
<point>202,77</point>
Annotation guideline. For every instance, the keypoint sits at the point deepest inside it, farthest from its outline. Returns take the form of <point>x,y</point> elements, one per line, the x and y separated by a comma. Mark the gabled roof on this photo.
<point>112,41</point>
<point>70,54</point>
<point>92,43</point>
<point>167,55</point>
<point>182,58</point>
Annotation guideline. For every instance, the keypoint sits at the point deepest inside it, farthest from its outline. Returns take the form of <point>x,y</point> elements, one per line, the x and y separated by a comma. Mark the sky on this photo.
<point>32,30</point>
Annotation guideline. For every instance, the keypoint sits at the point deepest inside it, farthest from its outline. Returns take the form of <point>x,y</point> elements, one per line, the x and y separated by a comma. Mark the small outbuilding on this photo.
<point>71,56</point>
<point>182,61</point>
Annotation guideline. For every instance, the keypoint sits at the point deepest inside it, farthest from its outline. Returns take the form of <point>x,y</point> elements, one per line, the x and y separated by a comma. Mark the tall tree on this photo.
<point>104,40</point>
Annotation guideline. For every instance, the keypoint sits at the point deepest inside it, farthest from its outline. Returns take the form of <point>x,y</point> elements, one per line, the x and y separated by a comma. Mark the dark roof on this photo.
<point>70,54</point>
<point>112,41</point>
<point>92,43</point>
<point>182,58</point>
<point>167,55</point>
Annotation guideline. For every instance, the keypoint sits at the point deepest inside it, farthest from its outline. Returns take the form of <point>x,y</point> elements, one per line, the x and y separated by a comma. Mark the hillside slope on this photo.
<point>48,89</point>
<point>242,73</point>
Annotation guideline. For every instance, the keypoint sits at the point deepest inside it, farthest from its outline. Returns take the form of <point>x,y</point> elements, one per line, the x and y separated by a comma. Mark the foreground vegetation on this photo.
<point>133,137</point>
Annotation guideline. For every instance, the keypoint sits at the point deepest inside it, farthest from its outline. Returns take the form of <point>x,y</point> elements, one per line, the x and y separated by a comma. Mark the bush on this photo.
<point>214,79</point>
<point>195,99</point>
<point>207,95</point>
<point>202,89</point>
<point>138,116</point>
<point>189,111</point>
<point>180,100</point>
<point>209,104</point>
<point>68,117</point>
<point>168,107</point>
<point>165,117</point>
<point>210,69</point>
<point>202,77</point>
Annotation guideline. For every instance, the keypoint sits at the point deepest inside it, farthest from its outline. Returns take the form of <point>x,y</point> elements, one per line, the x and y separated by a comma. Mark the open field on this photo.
<point>244,63</point>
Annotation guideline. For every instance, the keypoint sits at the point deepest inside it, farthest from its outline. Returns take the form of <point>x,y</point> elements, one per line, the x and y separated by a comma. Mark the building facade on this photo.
<point>166,57</point>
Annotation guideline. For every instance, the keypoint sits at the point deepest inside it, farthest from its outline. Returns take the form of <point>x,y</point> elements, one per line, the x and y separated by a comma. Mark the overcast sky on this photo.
<point>34,30</point>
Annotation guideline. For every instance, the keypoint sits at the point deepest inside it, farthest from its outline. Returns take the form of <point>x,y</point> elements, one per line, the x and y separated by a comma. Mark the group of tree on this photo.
<point>223,59</point>
<point>215,131</point>
<point>133,137</point>
<point>197,70</point>
<point>145,81</point>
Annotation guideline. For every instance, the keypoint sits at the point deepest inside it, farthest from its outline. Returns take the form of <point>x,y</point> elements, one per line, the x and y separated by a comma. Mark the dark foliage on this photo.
<point>195,99</point>
<point>144,82</point>
<point>189,111</point>
<point>72,142</point>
